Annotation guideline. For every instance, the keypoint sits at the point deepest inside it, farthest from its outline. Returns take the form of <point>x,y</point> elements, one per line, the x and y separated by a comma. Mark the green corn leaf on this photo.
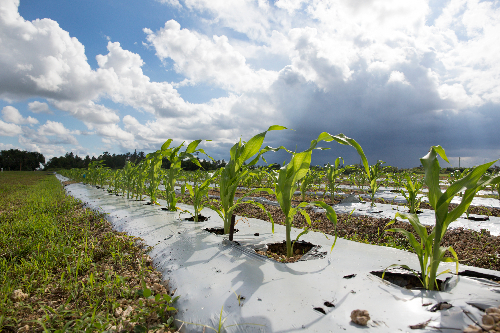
<point>432,168</point>
<point>331,215</point>
<point>190,189</point>
<point>415,222</point>
<point>191,148</point>
<point>344,140</point>
<point>166,145</point>
<point>276,128</point>
<point>411,238</point>
<point>306,216</point>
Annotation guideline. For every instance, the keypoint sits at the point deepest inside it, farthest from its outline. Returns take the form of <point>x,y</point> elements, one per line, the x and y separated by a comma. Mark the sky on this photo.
<point>89,76</point>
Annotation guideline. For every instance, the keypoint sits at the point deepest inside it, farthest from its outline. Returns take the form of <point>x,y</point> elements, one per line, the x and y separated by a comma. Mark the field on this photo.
<point>63,268</point>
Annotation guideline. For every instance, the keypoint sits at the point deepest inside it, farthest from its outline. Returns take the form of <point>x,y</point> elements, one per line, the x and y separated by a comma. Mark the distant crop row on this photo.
<point>145,177</point>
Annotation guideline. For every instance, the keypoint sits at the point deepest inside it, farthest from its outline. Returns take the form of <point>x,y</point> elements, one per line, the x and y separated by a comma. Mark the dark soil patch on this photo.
<point>404,278</point>
<point>201,218</point>
<point>277,251</point>
<point>218,231</point>
<point>473,218</point>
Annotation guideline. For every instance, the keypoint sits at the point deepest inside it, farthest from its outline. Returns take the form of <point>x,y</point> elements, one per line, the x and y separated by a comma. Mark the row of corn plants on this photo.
<point>297,174</point>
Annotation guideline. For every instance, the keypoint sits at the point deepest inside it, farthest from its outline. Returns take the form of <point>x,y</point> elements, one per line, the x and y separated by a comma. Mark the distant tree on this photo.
<point>15,159</point>
<point>67,161</point>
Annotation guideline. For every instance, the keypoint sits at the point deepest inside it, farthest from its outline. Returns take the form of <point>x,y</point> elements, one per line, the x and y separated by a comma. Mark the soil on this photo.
<point>201,218</point>
<point>404,279</point>
<point>477,210</point>
<point>277,251</point>
<point>479,249</point>
<point>218,231</point>
<point>473,248</point>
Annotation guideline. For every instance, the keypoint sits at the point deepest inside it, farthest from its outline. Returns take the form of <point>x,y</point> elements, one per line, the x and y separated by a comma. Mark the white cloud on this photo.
<point>130,86</point>
<point>203,60</point>
<point>11,115</point>
<point>289,5</point>
<point>39,58</point>
<point>54,128</point>
<point>397,76</point>
<point>253,18</point>
<point>173,3</point>
<point>7,146</point>
<point>48,150</point>
<point>88,112</point>
<point>457,94</point>
<point>7,129</point>
<point>39,107</point>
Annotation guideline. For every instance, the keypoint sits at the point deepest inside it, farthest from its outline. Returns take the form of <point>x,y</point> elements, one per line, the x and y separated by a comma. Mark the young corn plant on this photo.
<point>128,177</point>
<point>198,192</point>
<point>93,171</point>
<point>175,157</point>
<point>360,178</point>
<point>233,173</point>
<point>139,176</point>
<point>102,176</point>
<point>116,179</point>
<point>332,173</point>
<point>429,251</point>
<point>293,172</point>
<point>271,177</point>
<point>413,185</point>
<point>376,172</point>
<point>152,168</point>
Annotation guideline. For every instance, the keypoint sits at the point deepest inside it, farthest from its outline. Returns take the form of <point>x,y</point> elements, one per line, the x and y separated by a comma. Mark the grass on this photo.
<point>63,268</point>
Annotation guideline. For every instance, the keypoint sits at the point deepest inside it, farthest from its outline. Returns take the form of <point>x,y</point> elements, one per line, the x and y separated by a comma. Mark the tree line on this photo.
<point>17,160</point>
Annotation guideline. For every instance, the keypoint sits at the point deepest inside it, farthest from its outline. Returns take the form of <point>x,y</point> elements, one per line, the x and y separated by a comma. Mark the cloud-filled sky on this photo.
<point>88,76</point>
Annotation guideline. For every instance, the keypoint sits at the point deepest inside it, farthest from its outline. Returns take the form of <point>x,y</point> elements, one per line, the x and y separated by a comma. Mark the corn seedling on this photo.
<point>360,179</point>
<point>293,172</point>
<point>413,185</point>
<point>332,173</point>
<point>152,169</point>
<point>128,177</point>
<point>376,172</point>
<point>233,173</point>
<point>429,252</point>
<point>175,157</point>
<point>197,193</point>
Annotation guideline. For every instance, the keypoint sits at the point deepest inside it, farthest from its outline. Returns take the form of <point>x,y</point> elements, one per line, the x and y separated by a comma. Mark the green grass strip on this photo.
<point>63,268</point>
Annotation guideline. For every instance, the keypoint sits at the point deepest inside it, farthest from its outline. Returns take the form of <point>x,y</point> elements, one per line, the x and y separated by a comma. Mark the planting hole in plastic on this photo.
<point>302,251</point>
<point>218,231</point>
<point>201,218</point>
<point>474,274</point>
<point>473,218</point>
<point>404,278</point>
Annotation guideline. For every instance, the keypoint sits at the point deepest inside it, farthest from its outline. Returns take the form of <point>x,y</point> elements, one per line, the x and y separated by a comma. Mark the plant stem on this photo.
<point>288,224</point>
<point>231,227</point>
<point>435,254</point>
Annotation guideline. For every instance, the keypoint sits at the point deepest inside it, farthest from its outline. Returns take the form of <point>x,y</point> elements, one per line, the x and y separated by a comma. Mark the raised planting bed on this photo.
<point>316,294</point>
